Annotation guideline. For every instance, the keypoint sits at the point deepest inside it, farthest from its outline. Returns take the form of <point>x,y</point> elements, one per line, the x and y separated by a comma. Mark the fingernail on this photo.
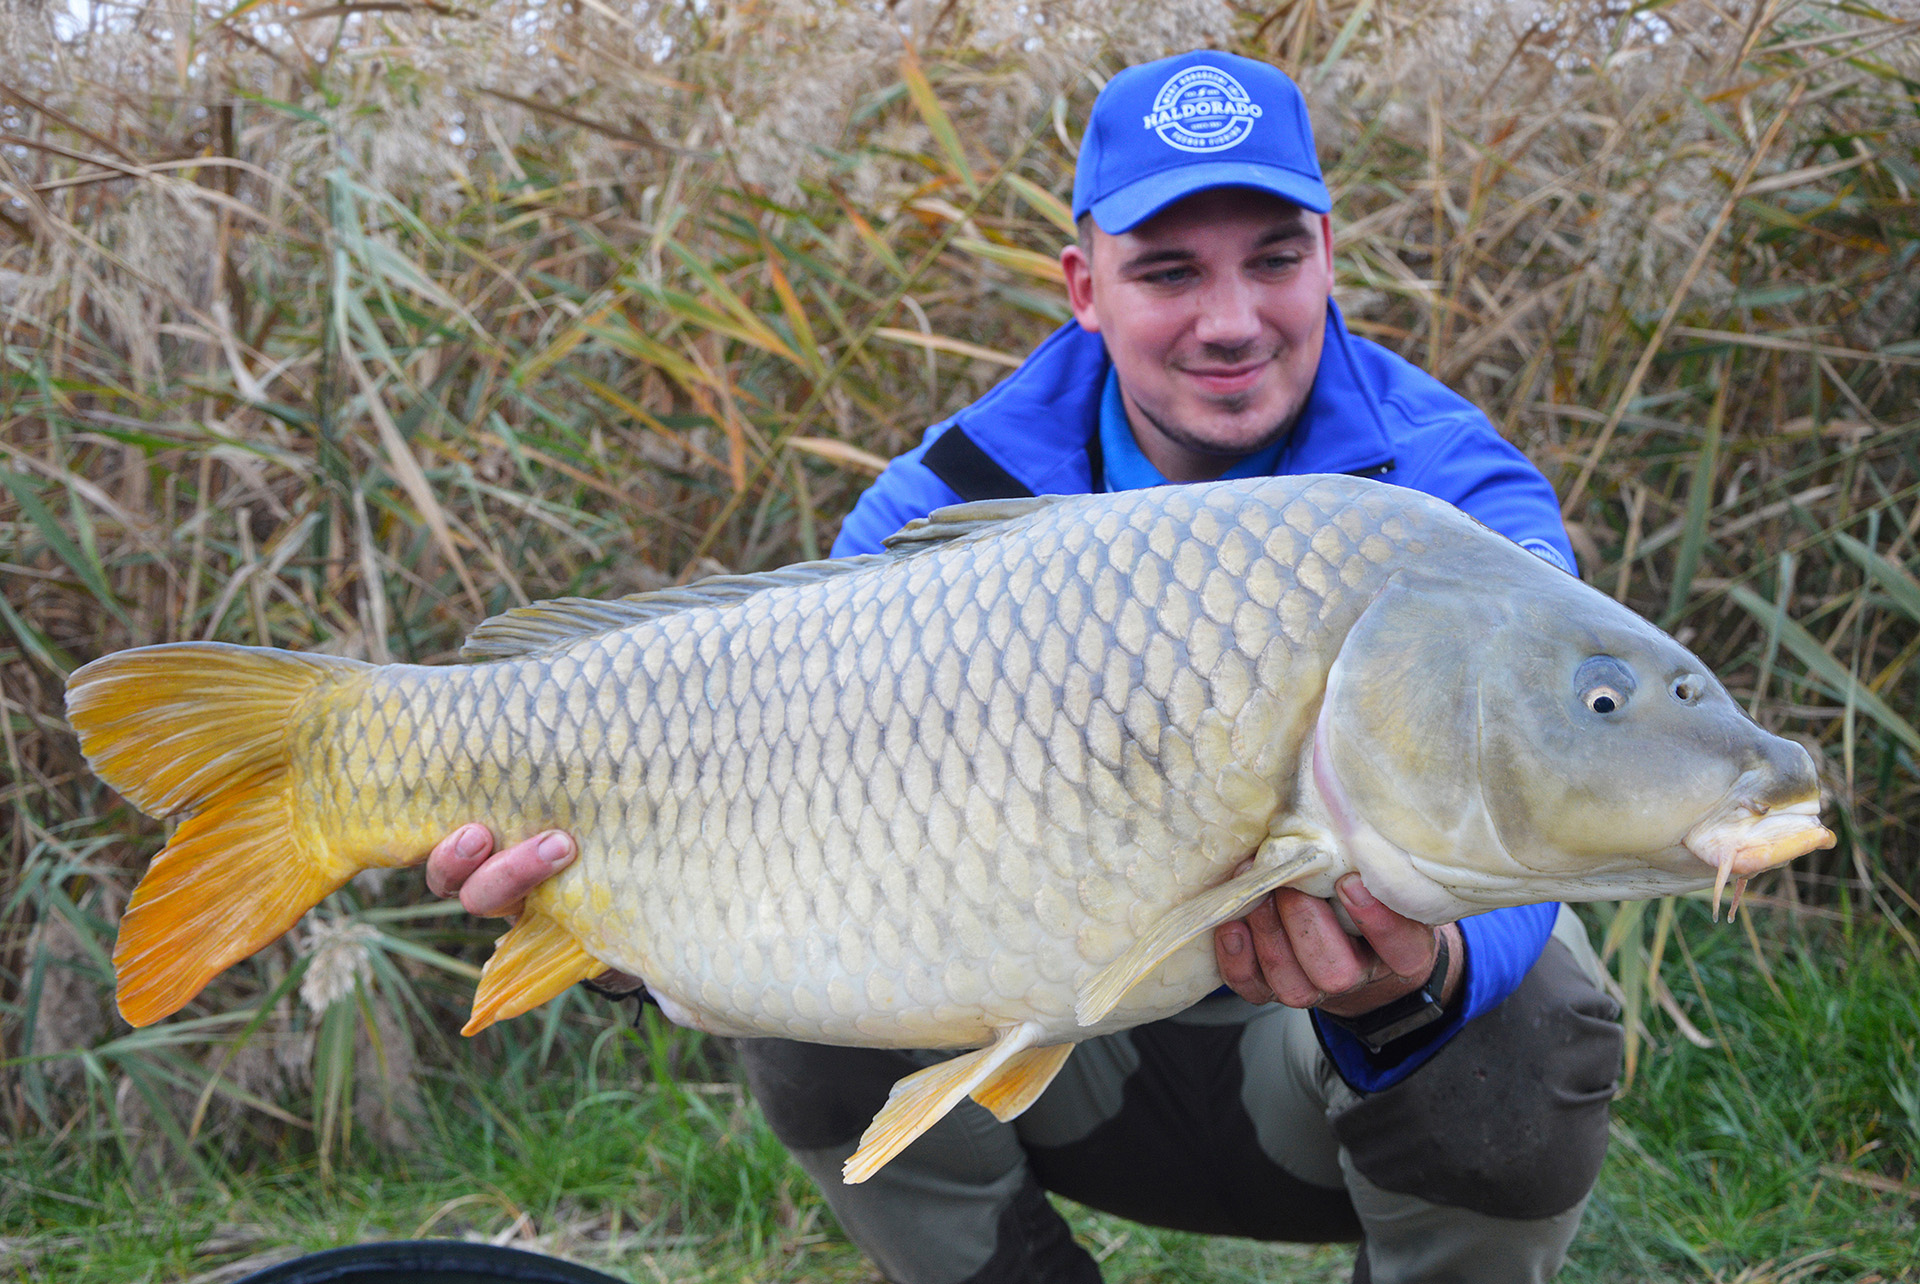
<point>555,848</point>
<point>473,841</point>
<point>1355,893</point>
<point>1233,942</point>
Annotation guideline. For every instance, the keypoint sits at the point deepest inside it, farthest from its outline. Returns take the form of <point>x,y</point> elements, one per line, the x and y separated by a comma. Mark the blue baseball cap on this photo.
<point>1164,130</point>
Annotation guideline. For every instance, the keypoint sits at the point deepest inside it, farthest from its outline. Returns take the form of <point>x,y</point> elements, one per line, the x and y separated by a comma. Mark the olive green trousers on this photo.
<point>1230,1119</point>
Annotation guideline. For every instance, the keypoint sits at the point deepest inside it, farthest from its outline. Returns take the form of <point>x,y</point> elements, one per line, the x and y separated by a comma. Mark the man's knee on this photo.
<point>815,1096</point>
<point>958,1206</point>
<point>1510,1119</point>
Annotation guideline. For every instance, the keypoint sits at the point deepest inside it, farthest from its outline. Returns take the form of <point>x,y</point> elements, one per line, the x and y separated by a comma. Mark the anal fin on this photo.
<point>923,1098</point>
<point>534,961</point>
<point>1019,1083</point>
<point>1280,861</point>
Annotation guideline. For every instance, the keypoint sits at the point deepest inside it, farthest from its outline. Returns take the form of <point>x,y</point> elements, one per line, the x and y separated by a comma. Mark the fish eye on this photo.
<point>1604,684</point>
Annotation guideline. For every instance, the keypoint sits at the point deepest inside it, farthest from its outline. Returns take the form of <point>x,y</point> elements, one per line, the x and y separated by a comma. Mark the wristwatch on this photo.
<point>1409,1014</point>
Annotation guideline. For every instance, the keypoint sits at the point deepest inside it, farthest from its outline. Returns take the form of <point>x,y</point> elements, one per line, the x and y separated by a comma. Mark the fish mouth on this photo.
<point>1748,837</point>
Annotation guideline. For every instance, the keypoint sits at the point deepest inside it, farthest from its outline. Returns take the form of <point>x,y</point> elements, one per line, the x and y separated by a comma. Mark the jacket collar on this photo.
<point>1037,422</point>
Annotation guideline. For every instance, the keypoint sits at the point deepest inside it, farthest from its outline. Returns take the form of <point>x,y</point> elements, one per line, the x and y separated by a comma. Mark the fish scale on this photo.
<point>991,788</point>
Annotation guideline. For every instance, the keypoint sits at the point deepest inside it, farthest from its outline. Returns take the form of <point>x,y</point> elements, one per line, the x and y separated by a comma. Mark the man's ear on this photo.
<point>1077,266</point>
<point>1326,246</point>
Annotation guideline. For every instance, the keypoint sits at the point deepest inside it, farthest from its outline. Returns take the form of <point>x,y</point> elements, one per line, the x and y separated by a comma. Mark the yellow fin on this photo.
<point>173,727</point>
<point>922,1099</point>
<point>1279,862</point>
<point>204,728</point>
<point>534,961</point>
<point>1019,1082</point>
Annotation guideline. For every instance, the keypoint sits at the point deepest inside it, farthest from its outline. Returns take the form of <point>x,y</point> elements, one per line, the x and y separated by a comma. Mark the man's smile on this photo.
<point>1220,379</point>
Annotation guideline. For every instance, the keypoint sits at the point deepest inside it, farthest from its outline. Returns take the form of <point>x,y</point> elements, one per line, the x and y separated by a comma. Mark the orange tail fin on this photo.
<point>203,730</point>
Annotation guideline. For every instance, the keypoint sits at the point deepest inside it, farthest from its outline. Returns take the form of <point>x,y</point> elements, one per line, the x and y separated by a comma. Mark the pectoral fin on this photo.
<point>923,1098</point>
<point>1280,861</point>
<point>534,961</point>
<point>1021,1081</point>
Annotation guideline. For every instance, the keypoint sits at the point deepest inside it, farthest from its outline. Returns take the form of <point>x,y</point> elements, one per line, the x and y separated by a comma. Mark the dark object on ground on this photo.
<point>427,1261</point>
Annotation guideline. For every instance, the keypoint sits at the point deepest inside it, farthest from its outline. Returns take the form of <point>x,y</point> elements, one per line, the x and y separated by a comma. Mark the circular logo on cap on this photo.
<point>1202,109</point>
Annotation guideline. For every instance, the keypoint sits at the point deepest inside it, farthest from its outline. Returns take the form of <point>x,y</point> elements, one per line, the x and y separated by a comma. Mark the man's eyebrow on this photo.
<point>1292,229</point>
<point>1287,229</point>
<point>1153,258</point>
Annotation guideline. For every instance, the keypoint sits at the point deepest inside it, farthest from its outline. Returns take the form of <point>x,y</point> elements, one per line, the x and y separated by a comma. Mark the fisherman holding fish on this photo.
<point>1023,788</point>
<point>1439,1094</point>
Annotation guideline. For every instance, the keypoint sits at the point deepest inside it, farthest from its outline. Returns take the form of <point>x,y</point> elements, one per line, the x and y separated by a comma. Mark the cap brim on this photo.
<point>1141,199</point>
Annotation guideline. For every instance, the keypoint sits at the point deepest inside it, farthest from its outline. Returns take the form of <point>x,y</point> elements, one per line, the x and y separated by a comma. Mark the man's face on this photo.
<point>1214,312</point>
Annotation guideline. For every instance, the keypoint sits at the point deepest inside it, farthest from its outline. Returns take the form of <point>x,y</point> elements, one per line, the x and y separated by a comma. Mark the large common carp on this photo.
<point>990,789</point>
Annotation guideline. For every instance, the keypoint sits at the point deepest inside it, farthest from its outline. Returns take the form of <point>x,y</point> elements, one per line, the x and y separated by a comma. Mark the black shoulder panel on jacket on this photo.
<point>956,460</point>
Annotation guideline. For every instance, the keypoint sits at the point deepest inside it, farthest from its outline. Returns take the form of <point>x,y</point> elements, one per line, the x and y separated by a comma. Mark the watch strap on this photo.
<point>1407,1015</point>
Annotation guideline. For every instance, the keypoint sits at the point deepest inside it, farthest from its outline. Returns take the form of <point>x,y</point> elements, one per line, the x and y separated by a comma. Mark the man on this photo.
<point>1438,1093</point>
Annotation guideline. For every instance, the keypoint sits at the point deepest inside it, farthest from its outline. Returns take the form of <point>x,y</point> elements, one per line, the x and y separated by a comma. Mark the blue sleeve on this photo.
<point>906,490</point>
<point>1502,946</point>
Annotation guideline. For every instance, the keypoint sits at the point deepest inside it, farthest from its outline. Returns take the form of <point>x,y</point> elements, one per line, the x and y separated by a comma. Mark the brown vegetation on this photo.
<point>342,327</point>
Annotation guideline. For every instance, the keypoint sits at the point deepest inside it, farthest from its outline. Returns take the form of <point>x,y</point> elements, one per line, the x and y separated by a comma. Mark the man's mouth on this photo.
<point>1226,380</point>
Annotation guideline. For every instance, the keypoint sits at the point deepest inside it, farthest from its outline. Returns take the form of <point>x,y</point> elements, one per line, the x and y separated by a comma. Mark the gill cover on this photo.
<point>1399,733</point>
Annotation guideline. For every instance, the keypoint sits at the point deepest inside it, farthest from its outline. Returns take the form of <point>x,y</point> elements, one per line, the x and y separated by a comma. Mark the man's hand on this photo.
<point>489,883</point>
<point>495,884</point>
<point>1290,948</point>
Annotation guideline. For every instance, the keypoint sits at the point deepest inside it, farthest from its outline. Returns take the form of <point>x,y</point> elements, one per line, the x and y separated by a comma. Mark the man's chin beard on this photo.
<point>1186,440</point>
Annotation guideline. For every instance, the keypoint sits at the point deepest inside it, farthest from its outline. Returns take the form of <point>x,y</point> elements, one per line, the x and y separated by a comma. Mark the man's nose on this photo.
<point>1229,316</point>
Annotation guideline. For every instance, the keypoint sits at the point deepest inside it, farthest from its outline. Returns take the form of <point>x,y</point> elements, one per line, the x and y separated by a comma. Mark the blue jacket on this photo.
<point>1370,413</point>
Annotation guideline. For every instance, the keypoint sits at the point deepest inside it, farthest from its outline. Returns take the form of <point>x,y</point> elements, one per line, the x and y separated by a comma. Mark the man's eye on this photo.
<point>1279,262</point>
<point>1168,276</point>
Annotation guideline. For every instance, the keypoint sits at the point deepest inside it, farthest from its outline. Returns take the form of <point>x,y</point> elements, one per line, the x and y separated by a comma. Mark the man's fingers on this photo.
<point>1281,954</point>
<point>1291,947</point>
<point>454,858</point>
<point>1239,965</point>
<point>1405,945</point>
<point>498,887</point>
<point>1332,962</point>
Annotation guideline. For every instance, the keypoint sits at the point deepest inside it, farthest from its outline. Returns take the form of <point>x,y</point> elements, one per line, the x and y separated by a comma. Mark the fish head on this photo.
<point>1516,736</point>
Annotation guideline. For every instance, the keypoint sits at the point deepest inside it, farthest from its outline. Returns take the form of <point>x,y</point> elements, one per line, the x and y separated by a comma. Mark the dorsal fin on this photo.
<point>956,521</point>
<point>562,621</point>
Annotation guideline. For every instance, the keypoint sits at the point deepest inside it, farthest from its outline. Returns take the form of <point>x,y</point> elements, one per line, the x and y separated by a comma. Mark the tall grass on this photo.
<point>343,328</point>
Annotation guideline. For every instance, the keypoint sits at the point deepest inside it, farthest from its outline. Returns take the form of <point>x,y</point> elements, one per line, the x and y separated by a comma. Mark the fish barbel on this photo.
<point>989,789</point>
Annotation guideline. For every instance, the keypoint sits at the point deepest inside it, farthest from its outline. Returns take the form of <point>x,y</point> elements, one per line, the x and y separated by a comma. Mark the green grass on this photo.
<point>1798,1135</point>
<point>1789,1151</point>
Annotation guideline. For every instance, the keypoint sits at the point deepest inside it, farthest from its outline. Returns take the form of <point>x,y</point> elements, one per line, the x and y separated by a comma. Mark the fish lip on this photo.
<point>1750,835</point>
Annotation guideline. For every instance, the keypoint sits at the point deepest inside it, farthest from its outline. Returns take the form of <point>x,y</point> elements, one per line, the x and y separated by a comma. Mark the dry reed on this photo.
<point>342,327</point>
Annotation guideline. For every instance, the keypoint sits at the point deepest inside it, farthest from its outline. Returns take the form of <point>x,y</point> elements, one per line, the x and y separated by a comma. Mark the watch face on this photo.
<point>1404,1016</point>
